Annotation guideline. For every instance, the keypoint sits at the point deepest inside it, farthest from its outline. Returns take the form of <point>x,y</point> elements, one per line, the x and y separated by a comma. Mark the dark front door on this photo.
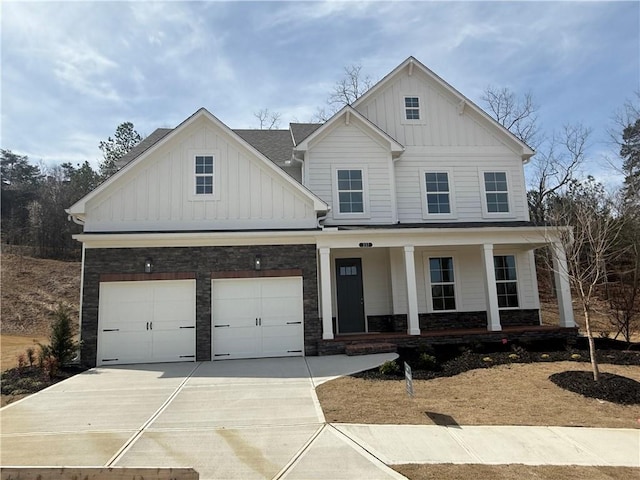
<point>350,296</point>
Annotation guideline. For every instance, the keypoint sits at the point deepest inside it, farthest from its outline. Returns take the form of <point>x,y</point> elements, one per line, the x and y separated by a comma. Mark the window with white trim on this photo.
<point>350,191</point>
<point>441,276</point>
<point>412,108</point>
<point>496,192</point>
<point>506,280</point>
<point>437,191</point>
<point>203,171</point>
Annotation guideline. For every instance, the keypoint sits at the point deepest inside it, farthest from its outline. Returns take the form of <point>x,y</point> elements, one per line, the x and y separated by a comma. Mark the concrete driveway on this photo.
<point>231,419</point>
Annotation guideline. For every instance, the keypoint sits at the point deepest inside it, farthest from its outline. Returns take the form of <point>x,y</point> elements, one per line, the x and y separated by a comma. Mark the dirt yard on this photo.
<point>515,394</point>
<point>31,289</point>
<point>13,345</point>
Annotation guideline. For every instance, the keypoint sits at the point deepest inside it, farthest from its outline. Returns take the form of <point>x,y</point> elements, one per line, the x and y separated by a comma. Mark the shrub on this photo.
<point>50,367</point>
<point>427,362</point>
<point>519,350</point>
<point>22,361</point>
<point>62,345</point>
<point>514,356</point>
<point>487,359</point>
<point>31,356</point>
<point>390,368</point>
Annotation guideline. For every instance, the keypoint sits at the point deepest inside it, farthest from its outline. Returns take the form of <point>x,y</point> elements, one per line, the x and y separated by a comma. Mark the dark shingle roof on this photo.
<point>276,145</point>
<point>300,131</point>
<point>143,146</point>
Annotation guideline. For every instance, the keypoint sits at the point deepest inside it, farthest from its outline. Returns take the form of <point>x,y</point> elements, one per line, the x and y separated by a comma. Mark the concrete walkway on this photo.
<point>261,419</point>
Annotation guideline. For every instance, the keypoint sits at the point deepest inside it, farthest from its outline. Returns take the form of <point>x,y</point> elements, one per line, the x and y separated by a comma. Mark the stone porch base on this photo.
<point>343,344</point>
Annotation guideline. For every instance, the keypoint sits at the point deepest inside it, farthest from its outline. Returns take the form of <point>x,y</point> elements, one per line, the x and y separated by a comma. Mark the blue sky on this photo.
<point>73,71</point>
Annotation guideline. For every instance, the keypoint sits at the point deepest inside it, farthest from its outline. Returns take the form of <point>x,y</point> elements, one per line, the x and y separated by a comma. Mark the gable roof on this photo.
<point>347,112</point>
<point>411,63</point>
<point>77,209</point>
<point>300,131</point>
<point>148,142</point>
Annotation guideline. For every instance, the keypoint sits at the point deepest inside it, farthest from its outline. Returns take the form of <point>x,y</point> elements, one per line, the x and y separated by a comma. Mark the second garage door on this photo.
<point>257,317</point>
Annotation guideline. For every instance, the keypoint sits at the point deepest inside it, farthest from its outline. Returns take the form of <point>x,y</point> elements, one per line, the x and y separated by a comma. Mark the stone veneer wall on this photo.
<point>452,320</point>
<point>201,261</point>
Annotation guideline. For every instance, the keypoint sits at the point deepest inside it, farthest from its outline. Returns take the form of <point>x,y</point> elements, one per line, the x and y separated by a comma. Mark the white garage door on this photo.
<point>144,322</point>
<point>257,317</point>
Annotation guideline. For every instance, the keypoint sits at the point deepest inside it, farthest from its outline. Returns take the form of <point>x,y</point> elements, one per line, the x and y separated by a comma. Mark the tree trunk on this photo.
<point>592,346</point>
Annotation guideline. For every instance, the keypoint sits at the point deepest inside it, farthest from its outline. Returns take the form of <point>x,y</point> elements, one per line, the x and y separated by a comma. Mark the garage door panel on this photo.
<point>235,289</point>
<point>281,307</point>
<point>234,310</point>
<point>282,340</point>
<point>235,342</point>
<point>126,292</point>
<point>174,345</point>
<point>124,347</point>
<point>174,314</point>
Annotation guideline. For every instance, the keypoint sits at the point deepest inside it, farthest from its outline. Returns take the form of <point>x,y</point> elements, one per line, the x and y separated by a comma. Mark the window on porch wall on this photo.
<point>443,295</point>
<point>506,280</point>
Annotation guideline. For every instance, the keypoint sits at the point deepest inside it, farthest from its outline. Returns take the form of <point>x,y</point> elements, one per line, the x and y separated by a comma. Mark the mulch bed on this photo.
<point>427,364</point>
<point>610,387</point>
<point>25,380</point>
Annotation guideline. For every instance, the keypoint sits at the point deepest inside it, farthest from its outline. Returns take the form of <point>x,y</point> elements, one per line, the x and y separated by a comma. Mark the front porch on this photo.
<point>435,282</point>
<point>385,341</point>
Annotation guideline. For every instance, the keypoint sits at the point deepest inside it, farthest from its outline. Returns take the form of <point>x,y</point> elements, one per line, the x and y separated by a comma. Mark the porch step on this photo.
<point>369,348</point>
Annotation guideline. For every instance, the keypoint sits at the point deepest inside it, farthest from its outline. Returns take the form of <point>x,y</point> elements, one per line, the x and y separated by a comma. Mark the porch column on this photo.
<point>325,294</point>
<point>563,289</point>
<point>493,312</point>
<point>412,292</point>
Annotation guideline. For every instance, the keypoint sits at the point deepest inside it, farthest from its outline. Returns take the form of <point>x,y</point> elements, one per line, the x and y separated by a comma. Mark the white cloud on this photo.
<point>81,67</point>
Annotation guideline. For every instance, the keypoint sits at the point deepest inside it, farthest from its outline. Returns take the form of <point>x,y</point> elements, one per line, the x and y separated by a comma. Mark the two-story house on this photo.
<point>405,212</point>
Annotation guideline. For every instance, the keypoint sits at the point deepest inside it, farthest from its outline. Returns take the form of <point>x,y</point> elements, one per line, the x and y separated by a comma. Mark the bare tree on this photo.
<point>590,246</point>
<point>350,87</point>
<point>518,115</point>
<point>268,120</point>
<point>554,167</point>
<point>347,90</point>
<point>558,158</point>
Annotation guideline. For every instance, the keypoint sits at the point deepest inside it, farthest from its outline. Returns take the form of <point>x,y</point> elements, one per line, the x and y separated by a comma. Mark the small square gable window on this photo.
<point>412,108</point>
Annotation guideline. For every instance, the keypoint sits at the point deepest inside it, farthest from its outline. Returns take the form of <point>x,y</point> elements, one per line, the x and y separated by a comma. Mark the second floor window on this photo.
<point>350,191</point>
<point>204,174</point>
<point>497,192</point>
<point>437,188</point>
<point>412,108</point>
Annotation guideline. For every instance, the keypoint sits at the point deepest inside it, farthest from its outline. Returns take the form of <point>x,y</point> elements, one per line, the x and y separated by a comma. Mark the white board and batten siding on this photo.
<point>349,147</point>
<point>158,194</point>
<point>441,124</point>
<point>446,138</point>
